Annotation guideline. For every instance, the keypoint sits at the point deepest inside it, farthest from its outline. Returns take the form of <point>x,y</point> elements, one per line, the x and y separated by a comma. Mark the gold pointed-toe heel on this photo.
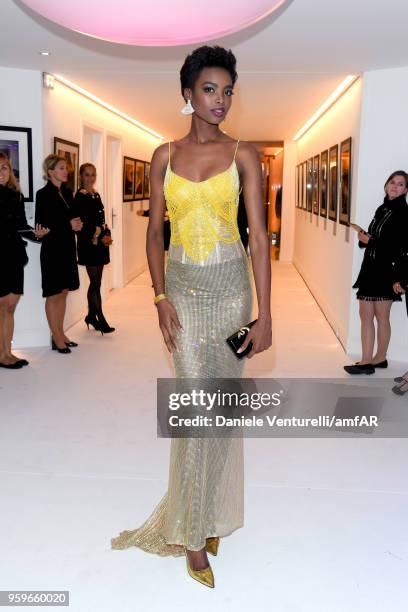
<point>205,576</point>
<point>211,545</point>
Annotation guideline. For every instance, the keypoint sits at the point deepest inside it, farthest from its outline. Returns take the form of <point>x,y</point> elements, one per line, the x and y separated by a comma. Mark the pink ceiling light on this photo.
<point>155,23</point>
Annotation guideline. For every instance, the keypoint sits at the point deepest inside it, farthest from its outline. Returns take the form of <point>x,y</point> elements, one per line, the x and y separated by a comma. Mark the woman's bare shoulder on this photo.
<point>160,156</point>
<point>247,155</point>
<point>247,148</point>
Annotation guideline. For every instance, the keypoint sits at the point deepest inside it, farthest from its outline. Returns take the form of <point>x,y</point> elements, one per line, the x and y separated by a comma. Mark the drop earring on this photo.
<point>187,109</point>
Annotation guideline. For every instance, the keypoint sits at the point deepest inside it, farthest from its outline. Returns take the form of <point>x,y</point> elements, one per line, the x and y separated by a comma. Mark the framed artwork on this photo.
<point>324,158</point>
<point>309,184</point>
<point>139,180</point>
<point>128,178</point>
<point>146,188</point>
<point>16,143</point>
<point>304,185</point>
<point>333,182</point>
<point>315,184</point>
<point>297,186</point>
<point>70,151</point>
<point>345,182</point>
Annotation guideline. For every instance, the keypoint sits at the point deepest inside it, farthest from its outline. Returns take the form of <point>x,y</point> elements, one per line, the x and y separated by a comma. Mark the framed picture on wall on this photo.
<point>345,182</point>
<point>333,182</point>
<point>315,186</point>
<point>324,158</point>
<point>309,184</point>
<point>70,151</point>
<point>128,178</point>
<point>16,143</point>
<point>139,180</point>
<point>304,185</point>
<point>297,186</point>
<point>146,188</point>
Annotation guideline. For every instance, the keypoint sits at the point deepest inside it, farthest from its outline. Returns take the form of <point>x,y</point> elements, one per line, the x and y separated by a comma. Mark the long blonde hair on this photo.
<point>12,182</point>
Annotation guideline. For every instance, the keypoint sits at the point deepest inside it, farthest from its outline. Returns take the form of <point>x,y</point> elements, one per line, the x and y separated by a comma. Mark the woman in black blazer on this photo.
<point>59,269</point>
<point>93,244</point>
<point>13,258</point>
<point>385,240</point>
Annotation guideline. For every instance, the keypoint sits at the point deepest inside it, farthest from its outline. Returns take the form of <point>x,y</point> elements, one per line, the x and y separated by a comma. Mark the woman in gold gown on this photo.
<point>204,296</point>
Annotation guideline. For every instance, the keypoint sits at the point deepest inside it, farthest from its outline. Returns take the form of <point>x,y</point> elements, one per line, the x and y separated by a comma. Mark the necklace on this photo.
<point>65,202</point>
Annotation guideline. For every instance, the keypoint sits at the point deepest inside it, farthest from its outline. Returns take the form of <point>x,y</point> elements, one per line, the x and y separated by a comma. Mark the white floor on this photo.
<point>325,523</point>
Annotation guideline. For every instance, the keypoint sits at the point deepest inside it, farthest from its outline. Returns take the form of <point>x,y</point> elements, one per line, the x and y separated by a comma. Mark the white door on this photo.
<point>113,211</point>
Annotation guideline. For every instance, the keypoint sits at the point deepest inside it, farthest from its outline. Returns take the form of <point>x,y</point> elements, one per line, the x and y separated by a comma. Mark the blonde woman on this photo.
<point>59,269</point>
<point>13,257</point>
<point>93,244</point>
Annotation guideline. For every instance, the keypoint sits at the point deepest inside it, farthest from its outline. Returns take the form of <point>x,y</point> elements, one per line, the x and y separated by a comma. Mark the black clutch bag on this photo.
<point>235,340</point>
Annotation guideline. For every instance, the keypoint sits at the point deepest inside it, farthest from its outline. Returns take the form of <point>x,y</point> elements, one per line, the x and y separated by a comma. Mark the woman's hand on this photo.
<point>363,237</point>
<point>397,288</point>
<point>97,233</point>
<point>40,231</point>
<point>261,336</point>
<point>168,322</point>
<point>106,240</point>
<point>76,224</point>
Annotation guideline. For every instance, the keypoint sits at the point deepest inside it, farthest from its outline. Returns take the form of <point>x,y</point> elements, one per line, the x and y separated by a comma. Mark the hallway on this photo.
<point>80,461</point>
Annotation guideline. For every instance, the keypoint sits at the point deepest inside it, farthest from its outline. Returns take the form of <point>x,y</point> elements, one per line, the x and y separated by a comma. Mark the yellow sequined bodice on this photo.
<point>202,213</point>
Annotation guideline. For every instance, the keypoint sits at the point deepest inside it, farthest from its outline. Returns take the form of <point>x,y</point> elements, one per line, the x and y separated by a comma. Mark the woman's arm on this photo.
<point>43,212</point>
<point>21,221</point>
<point>168,319</point>
<point>251,174</point>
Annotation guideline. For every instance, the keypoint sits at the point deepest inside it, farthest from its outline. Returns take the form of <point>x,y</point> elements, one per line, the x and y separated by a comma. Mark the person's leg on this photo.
<point>62,311</point>
<point>4,349</point>
<point>54,305</point>
<point>94,291</point>
<point>367,330</point>
<point>11,304</point>
<point>382,314</point>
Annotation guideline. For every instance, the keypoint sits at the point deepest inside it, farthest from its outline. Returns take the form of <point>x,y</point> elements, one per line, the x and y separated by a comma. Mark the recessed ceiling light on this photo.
<point>44,52</point>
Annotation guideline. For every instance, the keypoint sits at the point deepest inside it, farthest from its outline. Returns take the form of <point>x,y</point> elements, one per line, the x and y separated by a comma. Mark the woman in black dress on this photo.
<point>93,244</point>
<point>59,269</point>
<point>13,256</point>
<point>386,239</point>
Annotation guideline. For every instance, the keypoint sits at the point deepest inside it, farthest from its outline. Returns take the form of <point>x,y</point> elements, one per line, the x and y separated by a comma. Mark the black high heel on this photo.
<point>71,343</point>
<point>54,347</point>
<point>89,320</point>
<point>105,328</point>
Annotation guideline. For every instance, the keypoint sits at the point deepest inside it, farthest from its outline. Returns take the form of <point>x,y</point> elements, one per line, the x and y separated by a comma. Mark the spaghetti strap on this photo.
<point>169,154</point>
<point>236,150</point>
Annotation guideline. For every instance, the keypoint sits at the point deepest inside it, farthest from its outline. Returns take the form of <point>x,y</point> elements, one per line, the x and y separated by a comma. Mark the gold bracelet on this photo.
<point>161,296</point>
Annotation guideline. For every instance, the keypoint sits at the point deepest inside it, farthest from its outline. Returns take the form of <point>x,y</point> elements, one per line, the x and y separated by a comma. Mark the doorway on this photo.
<point>113,209</point>
<point>271,157</point>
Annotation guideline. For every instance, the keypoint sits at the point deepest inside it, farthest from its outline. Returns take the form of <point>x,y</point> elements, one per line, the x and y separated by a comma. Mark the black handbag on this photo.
<point>236,340</point>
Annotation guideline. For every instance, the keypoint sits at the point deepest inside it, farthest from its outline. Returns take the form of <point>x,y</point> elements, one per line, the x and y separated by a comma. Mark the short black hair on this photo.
<point>206,57</point>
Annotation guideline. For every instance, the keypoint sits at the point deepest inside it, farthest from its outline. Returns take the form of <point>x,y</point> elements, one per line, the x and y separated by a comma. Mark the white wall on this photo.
<point>66,115</point>
<point>288,197</point>
<point>323,249</point>
<point>20,106</point>
<point>383,149</point>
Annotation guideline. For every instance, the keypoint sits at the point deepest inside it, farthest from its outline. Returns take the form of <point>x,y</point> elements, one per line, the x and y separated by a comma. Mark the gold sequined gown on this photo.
<point>208,280</point>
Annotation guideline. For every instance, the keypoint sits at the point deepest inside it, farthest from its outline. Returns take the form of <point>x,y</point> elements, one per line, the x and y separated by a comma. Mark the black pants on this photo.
<point>94,292</point>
